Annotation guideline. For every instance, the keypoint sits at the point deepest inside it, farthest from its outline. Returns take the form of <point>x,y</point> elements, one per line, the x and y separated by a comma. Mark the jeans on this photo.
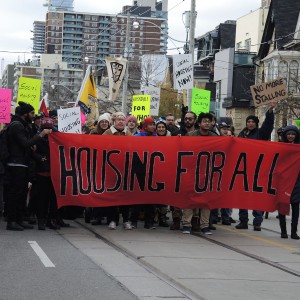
<point>257,214</point>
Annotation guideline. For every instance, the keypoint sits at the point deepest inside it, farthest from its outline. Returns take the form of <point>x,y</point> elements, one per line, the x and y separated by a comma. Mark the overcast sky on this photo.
<point>17,19</point>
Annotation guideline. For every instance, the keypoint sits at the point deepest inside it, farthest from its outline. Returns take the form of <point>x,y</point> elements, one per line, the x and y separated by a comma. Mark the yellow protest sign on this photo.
<point>141,106</point>
<point>30,91</point>
<point>200,101</point>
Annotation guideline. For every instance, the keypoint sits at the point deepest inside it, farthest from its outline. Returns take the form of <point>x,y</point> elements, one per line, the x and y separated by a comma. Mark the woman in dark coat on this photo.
<point>291,135</point>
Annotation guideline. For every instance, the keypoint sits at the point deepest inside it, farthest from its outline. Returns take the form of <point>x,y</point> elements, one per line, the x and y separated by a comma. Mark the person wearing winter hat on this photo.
<point>252,131</point>
<point>291,135</point>
<point>132,125</point>
<point>119,125</point>
<point>20,141</point>
<point>102,125</point>
<point>161,129</point>
<point>148,129</point>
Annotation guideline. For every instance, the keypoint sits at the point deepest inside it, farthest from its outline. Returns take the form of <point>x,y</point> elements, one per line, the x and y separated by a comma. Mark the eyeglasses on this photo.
<point>189,119</point>
<point>206,121</point>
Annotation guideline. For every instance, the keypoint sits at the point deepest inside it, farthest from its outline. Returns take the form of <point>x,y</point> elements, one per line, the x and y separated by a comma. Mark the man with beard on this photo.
<point>170,122</point>
<point>189,122</point>
<point>20,142</point>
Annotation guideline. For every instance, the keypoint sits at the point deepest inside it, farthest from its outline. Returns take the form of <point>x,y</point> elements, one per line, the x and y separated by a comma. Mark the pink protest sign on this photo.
<point>5,103</point>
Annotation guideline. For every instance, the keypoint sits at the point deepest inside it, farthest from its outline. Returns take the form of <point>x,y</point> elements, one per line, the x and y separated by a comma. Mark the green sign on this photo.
<point>200,101</point>
<point>297,122</point>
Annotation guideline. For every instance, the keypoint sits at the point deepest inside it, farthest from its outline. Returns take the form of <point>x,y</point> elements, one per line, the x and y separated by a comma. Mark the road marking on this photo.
<point>259,238</point>
<point>41,254</point>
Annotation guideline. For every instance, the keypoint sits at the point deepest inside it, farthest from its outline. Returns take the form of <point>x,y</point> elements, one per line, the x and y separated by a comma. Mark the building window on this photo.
<point>238,45</point>
<point>293,86</point>
<point>283,69</point>
<point>248,45</point>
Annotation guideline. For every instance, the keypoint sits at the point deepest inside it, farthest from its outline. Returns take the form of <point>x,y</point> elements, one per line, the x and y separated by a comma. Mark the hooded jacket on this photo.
<point>295,197</point>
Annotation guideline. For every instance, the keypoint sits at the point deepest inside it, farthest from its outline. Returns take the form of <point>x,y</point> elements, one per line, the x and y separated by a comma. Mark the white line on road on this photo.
<point>41,254</point>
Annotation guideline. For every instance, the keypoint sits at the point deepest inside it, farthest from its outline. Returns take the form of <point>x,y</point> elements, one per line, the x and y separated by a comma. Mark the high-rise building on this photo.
<point>38,37</point>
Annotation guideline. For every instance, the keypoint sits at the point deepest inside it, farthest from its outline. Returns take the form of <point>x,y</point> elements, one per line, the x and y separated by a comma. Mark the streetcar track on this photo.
<point>138,259</point>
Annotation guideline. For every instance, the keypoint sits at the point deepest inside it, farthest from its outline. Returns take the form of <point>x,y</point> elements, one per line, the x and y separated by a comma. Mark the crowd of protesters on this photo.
<point>27,193</point>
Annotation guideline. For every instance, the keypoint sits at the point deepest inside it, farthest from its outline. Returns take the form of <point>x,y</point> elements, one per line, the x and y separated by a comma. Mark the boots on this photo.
<point>176,224</point>
<point>242,225</point>
<point>284,234</point>
<point>294,234</point>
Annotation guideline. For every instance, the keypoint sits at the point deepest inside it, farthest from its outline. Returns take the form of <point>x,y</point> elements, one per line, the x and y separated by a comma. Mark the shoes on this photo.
<point>176,224</point>
<point>52,224</point>
<point>186,230</point>
<point>14,226</point>
<point>257,227</point>
<point>134,225</point>
<point>226,222</point>
<point>25,226</point>
<point>232,221</point>
<point>96,222</point>
<point>242,225</point>
<point>163,223</point>
<point>284,235</point>
<point>127,226</point>
<point>206,231</point>
<point>149,226</point>
<point>112,225</point>
<point>60,222</point>
<point>41,225</point>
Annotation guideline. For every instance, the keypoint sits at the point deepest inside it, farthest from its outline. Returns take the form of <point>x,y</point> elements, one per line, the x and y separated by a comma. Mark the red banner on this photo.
<point>186,172</point>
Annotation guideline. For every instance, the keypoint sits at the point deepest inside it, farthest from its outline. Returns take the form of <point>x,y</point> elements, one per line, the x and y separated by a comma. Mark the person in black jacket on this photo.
<point>20,142</point>
<point>291,135</point>
<point>252,131</point>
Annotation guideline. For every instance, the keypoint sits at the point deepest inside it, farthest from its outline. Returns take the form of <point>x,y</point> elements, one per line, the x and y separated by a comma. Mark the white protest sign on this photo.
<point>69,120</point>
<point>154,92</point>
<point>183,76</point>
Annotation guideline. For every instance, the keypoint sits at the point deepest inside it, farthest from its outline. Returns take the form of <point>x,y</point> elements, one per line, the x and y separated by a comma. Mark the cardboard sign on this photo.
<point>141,106</point>
<point>200,101</point>
<point>183,72</point>
<point>30,91</point>
<point>268,91</point>
<point>69,120</point>
<point>154,92</point>
<point>5,103</point>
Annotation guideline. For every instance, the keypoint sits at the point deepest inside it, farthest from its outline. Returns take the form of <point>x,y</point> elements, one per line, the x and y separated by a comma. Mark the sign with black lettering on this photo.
<point>69,120</point>
<point>183,71</point>
<point>141,106</point>
<point>181,171</point>
<point>268,91</point>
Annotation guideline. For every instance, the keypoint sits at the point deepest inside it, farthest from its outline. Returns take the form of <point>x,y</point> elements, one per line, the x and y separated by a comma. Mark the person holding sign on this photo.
<point>20,142</point>
<point>252,131</point>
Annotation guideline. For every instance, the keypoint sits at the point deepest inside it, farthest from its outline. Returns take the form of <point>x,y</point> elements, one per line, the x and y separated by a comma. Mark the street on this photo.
<point>92,262</point>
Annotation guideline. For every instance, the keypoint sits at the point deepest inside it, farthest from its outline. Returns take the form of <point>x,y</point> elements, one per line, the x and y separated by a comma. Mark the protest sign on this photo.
<point>5,104</point>
<point>141,106</point>
<point>200,101</point>
<point>297,122</point>
<point>206,172</point>
<point>29,91</point>
<point>69,120</point>
<point>183,76</point>
<point>268,91</point>
<point>154,92</point>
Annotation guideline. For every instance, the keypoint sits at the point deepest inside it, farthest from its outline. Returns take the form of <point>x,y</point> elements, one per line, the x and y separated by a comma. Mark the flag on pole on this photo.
<point>87,97</point>
<point>43,105</point>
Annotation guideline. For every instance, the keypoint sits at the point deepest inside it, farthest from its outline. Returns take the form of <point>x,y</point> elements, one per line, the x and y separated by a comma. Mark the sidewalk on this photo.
<point>182,266</point>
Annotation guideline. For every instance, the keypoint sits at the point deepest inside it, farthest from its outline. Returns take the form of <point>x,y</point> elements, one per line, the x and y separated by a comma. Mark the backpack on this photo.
<point>4,149</point>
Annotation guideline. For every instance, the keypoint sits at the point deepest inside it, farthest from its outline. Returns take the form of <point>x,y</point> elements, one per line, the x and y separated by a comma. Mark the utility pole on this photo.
<point>126,56</point>
<point>192,44</point>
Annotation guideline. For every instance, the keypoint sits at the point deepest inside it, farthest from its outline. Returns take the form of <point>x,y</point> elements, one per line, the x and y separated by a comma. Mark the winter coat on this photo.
<point>262,133</point>
<point>198,133</point>
<point>20,141</point>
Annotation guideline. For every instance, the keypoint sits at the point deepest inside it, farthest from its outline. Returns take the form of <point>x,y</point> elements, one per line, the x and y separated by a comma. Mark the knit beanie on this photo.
<point>254,118</point>
<point>146,122</point>
<point>104,116</point>
<point>24,108</point>
<point>118,114</point>
<point>132,118</point>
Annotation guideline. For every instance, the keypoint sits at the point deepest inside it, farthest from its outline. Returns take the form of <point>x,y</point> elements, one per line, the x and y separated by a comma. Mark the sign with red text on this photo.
<point>29,91</point>
<point>266,92</point>
<point>182,171</point>
<point>5,104</point>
